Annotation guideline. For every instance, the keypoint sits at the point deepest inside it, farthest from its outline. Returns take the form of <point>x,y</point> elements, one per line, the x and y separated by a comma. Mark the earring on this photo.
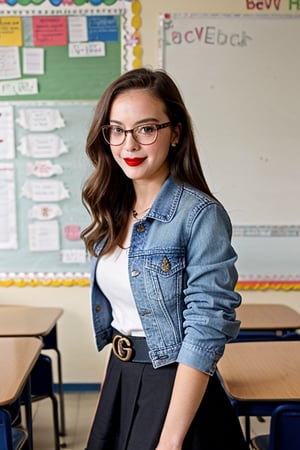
<point>173,144</point>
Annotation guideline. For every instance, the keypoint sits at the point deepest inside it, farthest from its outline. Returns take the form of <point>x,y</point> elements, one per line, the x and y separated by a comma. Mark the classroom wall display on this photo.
<point>54,65</point>
<point>239,76</point>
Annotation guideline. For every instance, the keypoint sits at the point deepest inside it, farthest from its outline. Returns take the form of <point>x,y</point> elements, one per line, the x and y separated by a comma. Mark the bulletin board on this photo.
<point>239,76</point>
<point>55,62</point>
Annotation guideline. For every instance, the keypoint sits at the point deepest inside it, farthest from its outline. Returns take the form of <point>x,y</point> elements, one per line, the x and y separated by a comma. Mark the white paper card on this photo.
<point>44,190</point>
<point>77,29</point>
<point>42,145</point>
<point>7,140</point>
<point>43,169</point>
<point>27,86</point>
<point>86,49</point>
<point>9,63</point>
<point>43,236</point>
<point>44,211</point>
<point>73,256</point>
<point>40,119</point>
<point>8,222</point>
<point>33,61</point>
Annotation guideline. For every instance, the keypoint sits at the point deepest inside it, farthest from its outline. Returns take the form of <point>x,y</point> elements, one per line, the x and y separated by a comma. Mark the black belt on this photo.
<point>130,348</point>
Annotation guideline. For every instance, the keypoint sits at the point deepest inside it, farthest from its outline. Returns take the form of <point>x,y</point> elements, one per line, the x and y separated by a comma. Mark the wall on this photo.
<point>81,362</point>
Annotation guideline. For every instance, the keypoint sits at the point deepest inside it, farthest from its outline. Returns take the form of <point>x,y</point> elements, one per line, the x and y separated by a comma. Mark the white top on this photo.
<point>113,279</point>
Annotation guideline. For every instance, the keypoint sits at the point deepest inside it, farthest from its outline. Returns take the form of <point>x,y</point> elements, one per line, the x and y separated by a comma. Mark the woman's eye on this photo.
<point>117,130</point>
<point>147,129</point>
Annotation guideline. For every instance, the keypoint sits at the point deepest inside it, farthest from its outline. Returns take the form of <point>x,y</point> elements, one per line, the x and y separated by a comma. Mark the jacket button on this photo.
<point>97,308</point>
<point>140,228</point>
<point>135,273</point>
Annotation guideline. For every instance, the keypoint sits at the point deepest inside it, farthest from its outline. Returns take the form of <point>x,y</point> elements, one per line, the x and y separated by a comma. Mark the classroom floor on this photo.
<point>79,410</point>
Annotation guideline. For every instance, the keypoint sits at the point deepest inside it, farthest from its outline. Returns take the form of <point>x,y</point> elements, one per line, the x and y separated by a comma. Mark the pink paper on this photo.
<point>72,232</point>
<point>49,31</point>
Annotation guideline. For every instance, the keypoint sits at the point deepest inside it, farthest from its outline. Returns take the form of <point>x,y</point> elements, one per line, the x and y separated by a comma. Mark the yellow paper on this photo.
<point>11,31</point>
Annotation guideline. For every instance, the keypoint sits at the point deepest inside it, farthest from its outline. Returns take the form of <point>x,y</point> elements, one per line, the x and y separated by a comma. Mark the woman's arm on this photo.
<point>189,387</point>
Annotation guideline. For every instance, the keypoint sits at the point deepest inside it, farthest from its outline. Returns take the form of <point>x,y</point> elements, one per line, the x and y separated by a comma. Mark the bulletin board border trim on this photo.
<point>265,285</point>
<point>47,279</point>
<point>82,279</point>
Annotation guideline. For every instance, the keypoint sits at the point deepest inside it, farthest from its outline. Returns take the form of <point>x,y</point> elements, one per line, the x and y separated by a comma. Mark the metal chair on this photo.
<point>284,430</point>
<point>11,438</point>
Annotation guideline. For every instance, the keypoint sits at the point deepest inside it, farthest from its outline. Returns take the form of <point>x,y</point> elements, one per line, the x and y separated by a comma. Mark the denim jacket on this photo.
<point>182,276</point>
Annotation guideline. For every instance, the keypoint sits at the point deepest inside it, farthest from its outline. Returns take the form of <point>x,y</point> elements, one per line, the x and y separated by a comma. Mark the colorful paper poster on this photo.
<point>102,28</point>
<point>11,31</point>
<point>49,31</point>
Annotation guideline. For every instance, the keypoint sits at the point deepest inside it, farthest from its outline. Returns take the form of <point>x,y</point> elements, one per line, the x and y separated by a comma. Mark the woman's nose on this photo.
<point>130,144</point>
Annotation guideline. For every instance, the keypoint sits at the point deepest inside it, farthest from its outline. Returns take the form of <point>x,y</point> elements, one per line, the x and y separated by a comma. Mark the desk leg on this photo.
<point>28,412</point>
<point>247,429</point>
<point>50,343</point>
<point>61,395</point>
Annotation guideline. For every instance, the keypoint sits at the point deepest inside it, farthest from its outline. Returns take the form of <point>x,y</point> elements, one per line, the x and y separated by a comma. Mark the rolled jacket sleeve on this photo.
<point>209,296</point>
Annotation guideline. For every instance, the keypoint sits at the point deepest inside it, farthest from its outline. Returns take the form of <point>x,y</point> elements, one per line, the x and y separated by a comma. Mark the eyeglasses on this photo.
<point>145,134</point>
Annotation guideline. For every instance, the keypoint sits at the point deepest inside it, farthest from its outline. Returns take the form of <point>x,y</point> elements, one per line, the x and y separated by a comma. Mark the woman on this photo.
<point>163,275</point>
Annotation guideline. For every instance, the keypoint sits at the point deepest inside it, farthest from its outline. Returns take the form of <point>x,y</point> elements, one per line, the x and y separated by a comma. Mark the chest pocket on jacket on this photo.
<point>164,274</point>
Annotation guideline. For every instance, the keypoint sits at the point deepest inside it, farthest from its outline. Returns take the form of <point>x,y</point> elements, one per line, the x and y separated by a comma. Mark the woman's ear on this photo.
<point>176,133</point>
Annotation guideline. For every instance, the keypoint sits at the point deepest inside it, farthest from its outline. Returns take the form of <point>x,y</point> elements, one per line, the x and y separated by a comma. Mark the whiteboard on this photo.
<point>239,76</point>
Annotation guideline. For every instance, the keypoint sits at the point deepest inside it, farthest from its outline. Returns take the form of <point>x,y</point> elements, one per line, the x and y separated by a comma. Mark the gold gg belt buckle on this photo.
<point>121,347</point>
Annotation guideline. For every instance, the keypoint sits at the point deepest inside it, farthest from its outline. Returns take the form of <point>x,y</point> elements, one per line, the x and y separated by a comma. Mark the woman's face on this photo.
<point>141,162</point>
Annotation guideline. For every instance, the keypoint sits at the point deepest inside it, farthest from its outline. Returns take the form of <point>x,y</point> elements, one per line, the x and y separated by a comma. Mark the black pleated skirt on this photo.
<point>133,404</point>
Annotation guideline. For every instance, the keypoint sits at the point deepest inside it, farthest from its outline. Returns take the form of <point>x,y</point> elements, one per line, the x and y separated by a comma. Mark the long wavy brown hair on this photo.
<point>108,194</point>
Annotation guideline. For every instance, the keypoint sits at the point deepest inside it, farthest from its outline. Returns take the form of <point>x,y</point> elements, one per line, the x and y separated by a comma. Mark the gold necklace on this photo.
<point>139,215</point>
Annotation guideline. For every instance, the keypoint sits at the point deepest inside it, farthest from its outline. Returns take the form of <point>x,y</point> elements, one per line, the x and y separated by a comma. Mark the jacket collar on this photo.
<point>164,206</point>
<point>166,203</point>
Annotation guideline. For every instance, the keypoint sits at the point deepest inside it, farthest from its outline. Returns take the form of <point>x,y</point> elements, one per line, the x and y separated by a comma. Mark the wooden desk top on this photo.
<point>17,357</point>
<point>27,320</point>
<point>267,317</point>
<point>262,370</point>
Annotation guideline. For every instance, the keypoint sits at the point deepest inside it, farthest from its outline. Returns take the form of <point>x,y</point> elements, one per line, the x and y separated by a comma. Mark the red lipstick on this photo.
<point>132,162</point>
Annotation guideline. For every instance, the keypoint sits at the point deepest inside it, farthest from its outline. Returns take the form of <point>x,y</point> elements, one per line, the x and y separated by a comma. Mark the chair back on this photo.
<point>285,428</point>
<point>42,378</point>
<point>10,438</point>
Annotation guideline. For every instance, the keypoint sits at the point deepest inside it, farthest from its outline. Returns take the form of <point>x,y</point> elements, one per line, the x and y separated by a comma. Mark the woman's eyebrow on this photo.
<point>138,122</point>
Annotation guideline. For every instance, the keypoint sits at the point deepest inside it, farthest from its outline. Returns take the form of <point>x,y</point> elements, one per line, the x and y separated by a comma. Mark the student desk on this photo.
<point>17,358</point>
<point>27,320</point>
<point>34,321</point>
<point>265,322</point>
<point>260,376</point>
<point>267,317</point>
